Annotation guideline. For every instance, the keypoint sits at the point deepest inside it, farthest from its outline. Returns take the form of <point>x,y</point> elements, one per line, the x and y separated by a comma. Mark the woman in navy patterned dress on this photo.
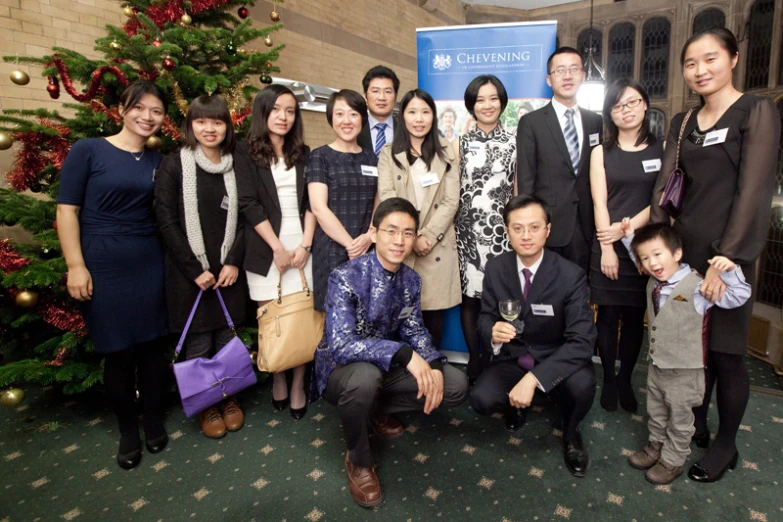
<point>487,158</point>
<point>342,183</point>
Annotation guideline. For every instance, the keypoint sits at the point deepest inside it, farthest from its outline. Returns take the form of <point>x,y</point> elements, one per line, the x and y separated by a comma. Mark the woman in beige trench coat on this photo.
<point>420,166</point>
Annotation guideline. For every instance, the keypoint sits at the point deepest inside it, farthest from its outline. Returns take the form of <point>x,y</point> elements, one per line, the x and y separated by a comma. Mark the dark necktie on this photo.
<point>380,138</point>
<point>526,361</point>
<point>572,140</point>
<point>656,295</point>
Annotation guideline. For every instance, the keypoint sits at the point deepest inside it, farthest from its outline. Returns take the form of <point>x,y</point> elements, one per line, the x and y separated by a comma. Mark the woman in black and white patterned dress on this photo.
<point>487,165</point>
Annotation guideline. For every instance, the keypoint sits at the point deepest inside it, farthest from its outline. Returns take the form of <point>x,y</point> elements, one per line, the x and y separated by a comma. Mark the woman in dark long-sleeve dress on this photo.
<point>729,156</point>
<point>115,263</point>
<point>199,219</point>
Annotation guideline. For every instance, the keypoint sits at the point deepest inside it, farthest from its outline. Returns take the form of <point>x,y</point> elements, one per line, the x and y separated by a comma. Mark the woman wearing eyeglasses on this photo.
<point>622,175</point>
<point>421,167</point>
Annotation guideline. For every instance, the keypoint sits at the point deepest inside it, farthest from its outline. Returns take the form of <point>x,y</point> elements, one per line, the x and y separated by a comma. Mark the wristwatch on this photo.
<point>308,248</point>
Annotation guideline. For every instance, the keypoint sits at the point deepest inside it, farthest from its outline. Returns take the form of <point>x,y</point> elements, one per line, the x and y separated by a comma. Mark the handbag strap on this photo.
<point>305,288</point>
<point>193,313</point>
<point>679,139</point>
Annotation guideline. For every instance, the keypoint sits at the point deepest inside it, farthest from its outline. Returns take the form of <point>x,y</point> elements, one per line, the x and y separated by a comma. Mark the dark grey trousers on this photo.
<point>206,344</point>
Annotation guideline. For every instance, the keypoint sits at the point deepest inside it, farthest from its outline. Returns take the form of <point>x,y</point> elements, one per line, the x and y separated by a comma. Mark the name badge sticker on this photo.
<point>224,203</point>
<point>594,139</point>
<point>429,179</point>
<point>405,313</point>
<point>715,137</point>
<point>368,170</point>
<point>475,146</point>
<point>653,165</point>
<point>542,309</point>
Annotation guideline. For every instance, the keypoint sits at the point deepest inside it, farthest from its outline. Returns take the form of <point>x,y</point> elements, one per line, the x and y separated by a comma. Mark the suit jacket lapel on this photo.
<point>269,182</point>
<point>557,131</point>
<point>300,184</point>
<point>513,281</point>
<point>543,279</point>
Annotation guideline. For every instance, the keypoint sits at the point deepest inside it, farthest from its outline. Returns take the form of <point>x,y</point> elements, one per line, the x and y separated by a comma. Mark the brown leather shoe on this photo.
<point>387,427</point>
<point>663,473</point>
<point>212,423</point>
<point>646,458</point>
<point>363,484</point>
<point>233,417</point>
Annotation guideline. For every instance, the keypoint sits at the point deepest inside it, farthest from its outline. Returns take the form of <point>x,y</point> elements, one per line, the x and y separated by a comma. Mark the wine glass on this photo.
<point>510,310</point>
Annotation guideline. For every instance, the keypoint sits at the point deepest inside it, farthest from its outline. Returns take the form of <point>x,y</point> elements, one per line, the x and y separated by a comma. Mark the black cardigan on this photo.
<point>258,202</point>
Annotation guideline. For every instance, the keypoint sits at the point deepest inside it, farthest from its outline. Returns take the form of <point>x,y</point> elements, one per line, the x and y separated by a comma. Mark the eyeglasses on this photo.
<point>561,71</point>
<point>631,105</point>
<point>393,232</point>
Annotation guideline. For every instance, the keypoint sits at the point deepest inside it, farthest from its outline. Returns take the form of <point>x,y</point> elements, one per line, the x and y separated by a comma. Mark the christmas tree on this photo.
<point>189,48</point>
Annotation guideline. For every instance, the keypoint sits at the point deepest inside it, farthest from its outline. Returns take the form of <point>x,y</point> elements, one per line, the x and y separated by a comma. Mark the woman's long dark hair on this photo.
<point>431,146</point>
<point>261,148</point>
<point>613,95</point>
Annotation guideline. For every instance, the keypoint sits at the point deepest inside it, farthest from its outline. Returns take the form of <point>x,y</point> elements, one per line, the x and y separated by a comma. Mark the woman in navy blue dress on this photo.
<point>115,262</point>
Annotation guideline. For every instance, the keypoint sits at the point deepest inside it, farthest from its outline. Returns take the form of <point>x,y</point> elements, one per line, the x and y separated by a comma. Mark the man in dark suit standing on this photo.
<point>553,350</point>
<point>380,86</point>
<point>553,158</point>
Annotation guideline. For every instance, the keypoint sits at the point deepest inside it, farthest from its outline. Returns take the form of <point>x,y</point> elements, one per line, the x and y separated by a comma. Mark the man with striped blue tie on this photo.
<point>553,158</point>
<point>380,90</point>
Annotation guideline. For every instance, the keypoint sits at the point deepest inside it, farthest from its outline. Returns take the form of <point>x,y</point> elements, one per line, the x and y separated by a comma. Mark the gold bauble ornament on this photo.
<point>128,11</point>
<point>6,141</point>
<point>154,143</point>
<point>253,356</point>
<point>115,45</point>
<point>185,19</point>
<point>274,16</point>
<point>20,77</point>
<point>268,41</point>
<point>11,398</point>
<point>26,299</point>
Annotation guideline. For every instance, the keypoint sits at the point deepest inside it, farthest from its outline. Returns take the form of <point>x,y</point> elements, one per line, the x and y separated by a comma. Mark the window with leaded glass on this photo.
<point>657,123</point>
<point>759,34</point>
<point>709,19</point>
<point>656,36</point>
<point>621,47</point>
<point>583,44</point>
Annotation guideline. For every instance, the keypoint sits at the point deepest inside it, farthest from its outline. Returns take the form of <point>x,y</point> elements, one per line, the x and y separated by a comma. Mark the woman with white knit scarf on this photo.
<point>199,219</point>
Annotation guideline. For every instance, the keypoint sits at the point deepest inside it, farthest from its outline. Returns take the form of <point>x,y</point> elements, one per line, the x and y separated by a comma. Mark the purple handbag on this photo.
<point>674,191</point>
<point>204,382</point>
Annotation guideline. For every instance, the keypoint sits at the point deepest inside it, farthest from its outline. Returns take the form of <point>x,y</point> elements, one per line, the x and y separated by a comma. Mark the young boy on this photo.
<point>678,329</point>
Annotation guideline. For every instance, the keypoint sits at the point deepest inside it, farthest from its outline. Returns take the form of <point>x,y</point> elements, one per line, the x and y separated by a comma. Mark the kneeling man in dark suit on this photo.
<point>553,350</point>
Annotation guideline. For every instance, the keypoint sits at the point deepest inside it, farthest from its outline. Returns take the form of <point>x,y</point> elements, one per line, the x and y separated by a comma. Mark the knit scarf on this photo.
<point>191,158</point>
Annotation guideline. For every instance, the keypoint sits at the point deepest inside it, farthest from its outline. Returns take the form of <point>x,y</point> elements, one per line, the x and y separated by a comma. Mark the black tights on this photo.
<point>433,322</point>
<point>631,335</point>
<point>733,393</point>
<point>468,314</point>
<point>121,370</point>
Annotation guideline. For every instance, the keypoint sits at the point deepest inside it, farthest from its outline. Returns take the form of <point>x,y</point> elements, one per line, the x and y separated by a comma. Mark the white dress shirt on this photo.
<point>560,110</point>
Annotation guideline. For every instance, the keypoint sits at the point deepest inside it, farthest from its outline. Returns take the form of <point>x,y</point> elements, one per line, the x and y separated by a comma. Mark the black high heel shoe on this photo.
<point>131,443</point>
<point>702,440</point>
<point>297,414</point>
<point>280,405</point>
<point>698,474</point>
<point>157,445</point>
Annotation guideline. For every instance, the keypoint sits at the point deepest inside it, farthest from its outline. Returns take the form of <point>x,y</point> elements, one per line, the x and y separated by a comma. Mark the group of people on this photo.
<point>395,222</point>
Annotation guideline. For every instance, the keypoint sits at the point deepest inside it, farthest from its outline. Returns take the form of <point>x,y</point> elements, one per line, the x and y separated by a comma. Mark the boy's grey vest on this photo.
<point>678,334</point>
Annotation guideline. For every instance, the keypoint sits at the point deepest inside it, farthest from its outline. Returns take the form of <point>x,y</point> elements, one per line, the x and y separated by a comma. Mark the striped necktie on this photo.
<point>572,140</point>
<point>380,138</point>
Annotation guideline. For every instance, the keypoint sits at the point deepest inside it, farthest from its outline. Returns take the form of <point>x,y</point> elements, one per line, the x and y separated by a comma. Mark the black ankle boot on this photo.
<point>129,454</point>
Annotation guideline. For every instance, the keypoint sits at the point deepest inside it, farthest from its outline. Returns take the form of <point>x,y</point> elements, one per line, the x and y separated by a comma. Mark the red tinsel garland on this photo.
<point>60,317</point>
<point>169,11</point>
<point>113,114</point>
<point>59,359</point>
<point>95,83</point>
<point>38,151</point>
<point>239,117</point>
<point>10,261</point>
<point>170,130</point>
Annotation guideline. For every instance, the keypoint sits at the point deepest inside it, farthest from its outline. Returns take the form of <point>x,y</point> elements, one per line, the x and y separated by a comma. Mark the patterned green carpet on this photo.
<point>57,461</point>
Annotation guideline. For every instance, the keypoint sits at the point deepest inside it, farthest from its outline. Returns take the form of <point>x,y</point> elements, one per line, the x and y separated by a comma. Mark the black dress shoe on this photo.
<point>628,400</point>
<point>129,460</point>
<point>472,381</point>
<point>575,456</point>
<point>280,405</point>
<point>699,474</point>
<point>515,419</point>
<point>297,414</point>
<point>158,444</point>
<point>702,440</point>
<point>129,454</point>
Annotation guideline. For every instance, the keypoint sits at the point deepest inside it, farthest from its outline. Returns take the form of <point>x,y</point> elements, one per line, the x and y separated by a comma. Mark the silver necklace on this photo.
<point>138,158</point>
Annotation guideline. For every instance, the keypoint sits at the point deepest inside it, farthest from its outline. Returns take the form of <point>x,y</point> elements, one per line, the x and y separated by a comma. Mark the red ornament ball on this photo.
<point>243,12</point>
<point>156,43</point>
<point>268,65</point>
<point>169,64</point>
<point>54,90</point>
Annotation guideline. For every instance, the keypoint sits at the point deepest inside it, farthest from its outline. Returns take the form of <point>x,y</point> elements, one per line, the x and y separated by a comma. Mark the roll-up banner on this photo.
<point>449,58</point>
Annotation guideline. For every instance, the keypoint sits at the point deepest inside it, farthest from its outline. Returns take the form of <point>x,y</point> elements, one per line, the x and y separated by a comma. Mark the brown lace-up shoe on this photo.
<point>233,417</point>
<point>363,484</point>
<point>387,427</point>
<point>663,473</point>
<point>212,423</point>
<point>646,458</point>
